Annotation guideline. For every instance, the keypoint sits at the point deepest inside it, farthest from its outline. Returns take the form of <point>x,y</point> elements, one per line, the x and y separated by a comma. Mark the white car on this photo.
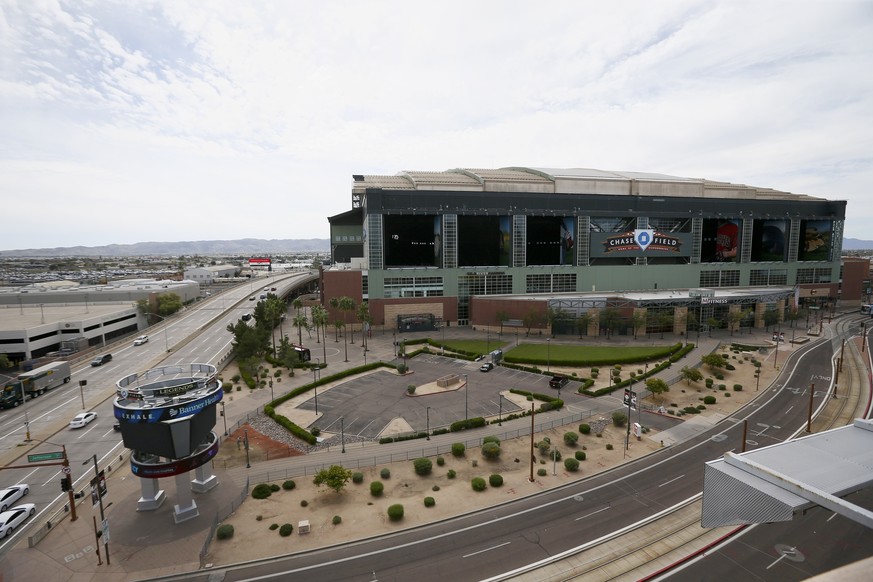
<point>82,419</point>
<point>11,519</point>
<point>12,494</point>
<point>141,340</point>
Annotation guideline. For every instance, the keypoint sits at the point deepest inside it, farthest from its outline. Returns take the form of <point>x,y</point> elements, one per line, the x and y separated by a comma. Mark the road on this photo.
<point>198,334</point>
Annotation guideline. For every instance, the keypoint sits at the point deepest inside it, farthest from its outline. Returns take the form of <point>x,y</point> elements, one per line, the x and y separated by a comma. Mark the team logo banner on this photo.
<point>642,240</point>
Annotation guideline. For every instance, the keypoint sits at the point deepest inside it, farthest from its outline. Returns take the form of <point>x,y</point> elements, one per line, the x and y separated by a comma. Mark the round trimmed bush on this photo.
<point>458,449</point>
<point>495,480</point>
<point>491,439</point>
<point>491,451</point>
<point>571,438</point>
<point>289,485</point>
<point>478,484</point>
<point>571,464</point>
<point>274,526</point>
<point>304,503</point>
<point>224,532</point>
<point>286,529</point>
<point>440,461</point>
<point>585,428</point>
<point>738,387</point>
<point>709,399</point>
<point>262,491</point>
<point>542,472</point>
<point>451,474</point>
<point>274,487</point>
<point>395,512</point>
<point>609,446</point>
<point>429,502</point>
<point>376,488</point>
<point>435,488</point>
<point>357,477</point>
<point>336,520</point>
<point>579,455</point>
<point>385,473</point>
<point>422,466</point>
<point>619,418</point>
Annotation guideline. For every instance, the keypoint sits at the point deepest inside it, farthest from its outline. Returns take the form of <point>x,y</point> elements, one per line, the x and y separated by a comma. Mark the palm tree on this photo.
<point>363,315</point>
<point>334,304</point>
<point>347,305</point>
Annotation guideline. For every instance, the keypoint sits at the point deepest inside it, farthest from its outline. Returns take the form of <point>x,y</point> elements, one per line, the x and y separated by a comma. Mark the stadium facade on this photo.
<point>543,247</point>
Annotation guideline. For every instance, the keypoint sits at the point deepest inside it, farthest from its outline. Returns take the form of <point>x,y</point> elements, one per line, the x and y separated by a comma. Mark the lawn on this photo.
<point>476,346</point>
<point>585,355</point>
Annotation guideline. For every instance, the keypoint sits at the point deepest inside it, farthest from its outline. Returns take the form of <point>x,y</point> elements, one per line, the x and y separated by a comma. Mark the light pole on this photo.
<point>466,392</point>
<point>26,418</point>
<point>100,502</point>
<point>246,445</point>
<point>549,352</point>
<point>499,409</point>
<point>224,415</point>
<point>343,432</point>
<point>427,430</point>
<point>166,342</point>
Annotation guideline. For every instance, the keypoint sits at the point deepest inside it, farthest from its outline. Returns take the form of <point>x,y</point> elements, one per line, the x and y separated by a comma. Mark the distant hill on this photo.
<point>246,246</point>
<point>856,244</point>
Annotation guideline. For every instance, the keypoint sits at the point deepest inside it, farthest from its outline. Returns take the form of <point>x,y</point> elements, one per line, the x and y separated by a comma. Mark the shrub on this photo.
<point>451,474</point>
<point>458,449</point>
<point>571,464</point>
<point>542,472</point>
<point>376,488</point>
<point>440,461</point>
<point>722,387</point>
<point>619,418</point>
<point>435,488</point>
<point>303,503</point>
<point>429,502</point>
<point>709,382</point>
<point>609,446</point>
<point>357,477</point>
<point>422,466</point>
<point>315,431</point>
<point>478,484</point>
<point>580,455</point>
<point>571,438</point>
<point>709,399</point>
<point>491,439</point>
<point>585,428</point>
<point>259,518</point>
<point>224,532</point>
<point>289,485</point>
<point>274,487</point>
<point>336,520</point>
<point>395,512</point>
<point>543,446</point>
<point>491,451</point>
<point>385,473</point>
<point>262,491</point>
<point>495,480</point>
<point>738,387</point>
<point>286,530</point>
<point>274,526</point>
<point>555,455</point>
<point>690,410</point>
<point>411,389</point>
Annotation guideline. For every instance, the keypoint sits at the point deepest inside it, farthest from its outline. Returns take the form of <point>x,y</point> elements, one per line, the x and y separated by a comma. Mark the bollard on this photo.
<point>662,443</point>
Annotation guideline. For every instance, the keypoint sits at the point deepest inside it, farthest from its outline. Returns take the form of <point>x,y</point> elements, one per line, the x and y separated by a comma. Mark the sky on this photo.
<point>175,120</point>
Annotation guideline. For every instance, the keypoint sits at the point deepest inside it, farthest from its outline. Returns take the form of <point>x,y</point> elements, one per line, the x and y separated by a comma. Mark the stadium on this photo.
<point>582,251</point>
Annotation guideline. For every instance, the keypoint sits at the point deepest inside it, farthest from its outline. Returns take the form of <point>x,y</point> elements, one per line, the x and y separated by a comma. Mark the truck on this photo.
<point>34,383</point>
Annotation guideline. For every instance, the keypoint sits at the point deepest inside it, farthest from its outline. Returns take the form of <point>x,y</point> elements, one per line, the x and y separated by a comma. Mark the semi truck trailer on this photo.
<point>34,383</point>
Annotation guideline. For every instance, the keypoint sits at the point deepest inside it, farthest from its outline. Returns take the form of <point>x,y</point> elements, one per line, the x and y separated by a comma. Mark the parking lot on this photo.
<point>367,404</point>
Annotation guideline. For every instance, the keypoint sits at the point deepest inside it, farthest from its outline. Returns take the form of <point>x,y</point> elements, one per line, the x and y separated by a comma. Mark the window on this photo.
<point>719,278</point>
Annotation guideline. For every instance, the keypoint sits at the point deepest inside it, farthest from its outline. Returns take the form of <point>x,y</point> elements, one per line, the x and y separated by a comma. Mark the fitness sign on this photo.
<point>640,242</point>
<point>163,413</point>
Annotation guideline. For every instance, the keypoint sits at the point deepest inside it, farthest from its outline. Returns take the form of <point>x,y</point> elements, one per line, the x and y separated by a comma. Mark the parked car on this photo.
<point>141,340</point>
<point>272,288</point>
<point>479,358</point>
<point>263,296</point>
<point>82,419</point>
<point>12,494</point>
<point>558,381</point>
<point>100,360</point>
<point>486,367</point>
<point>9,520</point>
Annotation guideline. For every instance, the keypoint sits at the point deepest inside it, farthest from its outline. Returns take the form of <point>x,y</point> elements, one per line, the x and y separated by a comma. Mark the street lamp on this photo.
<point>466,400</point>
<point>246,445</point>
<point>499,409</point>
<point>224,415</point>
<point>100,502</point>
<point>343,432</point>
<point>427,430</point>
<point>549,351</point>
<point>166,342</point>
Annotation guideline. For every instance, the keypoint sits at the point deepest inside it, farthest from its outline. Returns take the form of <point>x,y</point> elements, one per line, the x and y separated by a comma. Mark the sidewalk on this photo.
<point>148,544</point>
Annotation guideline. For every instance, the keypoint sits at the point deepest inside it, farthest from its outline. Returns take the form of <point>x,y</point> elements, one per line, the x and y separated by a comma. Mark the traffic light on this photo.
<point>65,485</point>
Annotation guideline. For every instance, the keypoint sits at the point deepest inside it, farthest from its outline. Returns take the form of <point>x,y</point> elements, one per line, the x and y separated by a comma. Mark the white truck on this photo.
<point>32,384</point>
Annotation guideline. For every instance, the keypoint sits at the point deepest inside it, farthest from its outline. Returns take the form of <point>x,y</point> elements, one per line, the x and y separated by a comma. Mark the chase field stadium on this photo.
<point>547,248</point>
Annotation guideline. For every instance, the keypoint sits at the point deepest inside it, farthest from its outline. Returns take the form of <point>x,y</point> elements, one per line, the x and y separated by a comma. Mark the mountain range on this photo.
<point>246,246</point>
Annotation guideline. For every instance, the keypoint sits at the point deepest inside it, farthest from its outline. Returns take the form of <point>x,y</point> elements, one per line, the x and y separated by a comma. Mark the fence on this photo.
<point>220,516</point>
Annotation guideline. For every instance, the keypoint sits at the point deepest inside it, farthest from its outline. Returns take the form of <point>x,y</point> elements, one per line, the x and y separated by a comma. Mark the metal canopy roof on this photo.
<point>773,483</point>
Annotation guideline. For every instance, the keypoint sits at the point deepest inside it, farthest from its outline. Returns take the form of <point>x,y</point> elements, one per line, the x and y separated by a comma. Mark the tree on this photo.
<point>691,374</point>
<point>714,361</point>
<point>168,304</point>
<point>735,318</point>
<point>713,323</point>
<point>583,322</point>
<point>300,322</point>
<point>530,319</point>
<point>336,477</point>
<point>502,317</point>
<point>657,386</point>
<point>347,305</point>
<point>638,320</point>
<point>665,320</point>
<point>4,362</point>
<point>771,317</point>
<point>363,315</point>
<point>334,304</point>
<point>609,319</point>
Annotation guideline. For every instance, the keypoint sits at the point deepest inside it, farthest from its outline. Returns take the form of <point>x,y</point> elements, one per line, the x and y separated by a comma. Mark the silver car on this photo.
<point>12,494</point>
<point>9,520</point>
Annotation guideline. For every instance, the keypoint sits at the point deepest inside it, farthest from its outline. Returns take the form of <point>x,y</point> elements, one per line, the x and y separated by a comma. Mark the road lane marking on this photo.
<point>671,480</point>
<point>592,513</point>
<point>487,549</point>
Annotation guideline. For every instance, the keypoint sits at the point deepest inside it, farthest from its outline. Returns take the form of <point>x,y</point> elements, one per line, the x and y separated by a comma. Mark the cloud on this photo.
<point>171,120</point>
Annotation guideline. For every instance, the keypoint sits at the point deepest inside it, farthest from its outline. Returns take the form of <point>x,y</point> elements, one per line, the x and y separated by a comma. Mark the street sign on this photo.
<point>59,456</point>
<point>66,470</point>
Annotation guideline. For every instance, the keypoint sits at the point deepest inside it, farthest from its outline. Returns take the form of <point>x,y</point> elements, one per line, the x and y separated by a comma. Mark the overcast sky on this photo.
<point>124,122</point>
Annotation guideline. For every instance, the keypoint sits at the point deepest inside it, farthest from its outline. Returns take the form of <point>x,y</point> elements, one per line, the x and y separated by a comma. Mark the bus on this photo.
<point>867,309</point>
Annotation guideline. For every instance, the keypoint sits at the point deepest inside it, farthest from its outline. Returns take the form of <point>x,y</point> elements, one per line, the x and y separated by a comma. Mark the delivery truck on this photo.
<point>34,383</point>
